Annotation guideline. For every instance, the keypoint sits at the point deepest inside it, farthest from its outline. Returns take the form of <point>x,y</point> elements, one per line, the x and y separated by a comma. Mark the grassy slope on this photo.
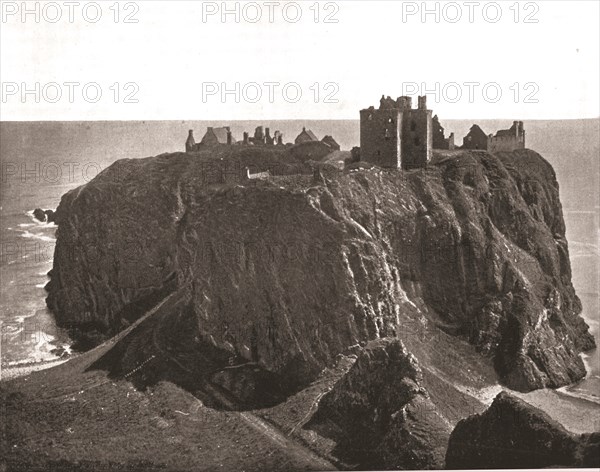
<point>83,419</point>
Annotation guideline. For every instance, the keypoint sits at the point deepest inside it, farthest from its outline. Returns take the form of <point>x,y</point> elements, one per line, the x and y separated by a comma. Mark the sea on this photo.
<point>40,161</point>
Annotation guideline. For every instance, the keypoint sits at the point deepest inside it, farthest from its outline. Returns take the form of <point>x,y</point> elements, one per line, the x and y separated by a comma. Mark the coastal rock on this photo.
<point>45,216</point>
<point>49,216</point>
<point>512,434</point>
<point>288,273</point>
<point>39,215</point>
<point>380,414</point>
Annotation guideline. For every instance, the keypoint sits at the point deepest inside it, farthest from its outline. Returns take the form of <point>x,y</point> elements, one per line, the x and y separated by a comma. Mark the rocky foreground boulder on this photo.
<point>380,414</point>
<point>289,272</point>
<point>513,434</point>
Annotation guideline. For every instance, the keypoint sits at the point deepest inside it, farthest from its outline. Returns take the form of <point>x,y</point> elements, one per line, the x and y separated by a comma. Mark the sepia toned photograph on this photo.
<point>299,235</point>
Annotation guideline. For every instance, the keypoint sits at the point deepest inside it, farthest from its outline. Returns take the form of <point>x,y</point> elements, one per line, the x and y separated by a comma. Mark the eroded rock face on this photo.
<point>380,415</point>
<point>513,434</point>
<point>289,273</point>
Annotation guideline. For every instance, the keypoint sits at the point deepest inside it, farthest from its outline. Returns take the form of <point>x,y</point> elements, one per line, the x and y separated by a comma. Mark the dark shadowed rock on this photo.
<point>39,214</point>
<point>381,416</point>
<point>45,216</point>
<point>49,216</point>
<point>513,434</point>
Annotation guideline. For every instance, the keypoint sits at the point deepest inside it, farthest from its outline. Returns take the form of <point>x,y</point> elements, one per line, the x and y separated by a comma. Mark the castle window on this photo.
<point>413,125</point>
<point>391,120</point>
<point>378,153</point>
<point>387,134</point>
<point>417,141</point>
<point>370,117</point>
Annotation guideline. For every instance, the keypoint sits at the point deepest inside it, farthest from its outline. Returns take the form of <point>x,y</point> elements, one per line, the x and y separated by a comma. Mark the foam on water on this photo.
<point>40,236</point>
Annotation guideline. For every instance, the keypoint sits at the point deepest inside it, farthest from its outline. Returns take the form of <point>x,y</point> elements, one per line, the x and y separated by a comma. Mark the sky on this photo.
<point>159,60</point>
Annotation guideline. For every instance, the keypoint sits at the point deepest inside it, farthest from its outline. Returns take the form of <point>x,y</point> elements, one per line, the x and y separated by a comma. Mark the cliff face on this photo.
<point>512,434</point>
<point>289,273</point>
<point>380,414</point>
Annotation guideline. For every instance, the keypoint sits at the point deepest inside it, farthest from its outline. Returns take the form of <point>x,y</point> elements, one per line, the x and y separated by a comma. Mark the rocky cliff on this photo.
<point>512,434</point>
<point>289,272</point>
<point>381,415</point>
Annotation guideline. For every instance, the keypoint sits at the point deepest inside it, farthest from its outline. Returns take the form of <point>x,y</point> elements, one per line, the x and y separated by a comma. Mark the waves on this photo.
<point>38,236</point>
<point>29,333</point>
<point>581,394</point>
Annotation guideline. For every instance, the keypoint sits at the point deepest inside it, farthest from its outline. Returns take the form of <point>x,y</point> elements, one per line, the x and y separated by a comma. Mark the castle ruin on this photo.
<point>508,139</point>
<point>212,137</point>
<point>475,139</point>
<point>504,140</point>
<point>306,143</point>
<point>396,135</point>
<point>305,136</point>
<point>439,139</point>
<point>262,137</point>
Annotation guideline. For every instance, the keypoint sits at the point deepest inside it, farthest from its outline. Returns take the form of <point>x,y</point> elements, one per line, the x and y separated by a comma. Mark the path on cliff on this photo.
<point>85,361</point>
<point>153,329</point>
<point>163,320</point>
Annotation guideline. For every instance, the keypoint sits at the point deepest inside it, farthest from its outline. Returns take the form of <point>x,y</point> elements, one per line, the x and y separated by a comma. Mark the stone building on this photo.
<point>305,136</point>
<point>262,137</point>
<point>475,139</point>
<point>217,136</point>
<point>396,135</point>
<point>504,140</point>
<point>439,139</point>
<point>508,139</point>
<point>332,143</point>
<point>212,137</point>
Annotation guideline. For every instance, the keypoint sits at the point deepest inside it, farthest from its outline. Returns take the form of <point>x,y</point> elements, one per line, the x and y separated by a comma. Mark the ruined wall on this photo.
<point>450,142</point>
<point>190,143</point>
<point>209,139</point>
<point>508,140</point>
<point>380,137</point>
<point>417,138</point>
<point>476,139</point>
<point>439,139</point>
<point>505,143</point>
<point>438,134</point>
<point>331,142</point>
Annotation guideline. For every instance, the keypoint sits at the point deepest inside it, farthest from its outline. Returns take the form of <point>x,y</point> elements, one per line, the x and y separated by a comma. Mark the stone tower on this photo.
<point>396,135</point>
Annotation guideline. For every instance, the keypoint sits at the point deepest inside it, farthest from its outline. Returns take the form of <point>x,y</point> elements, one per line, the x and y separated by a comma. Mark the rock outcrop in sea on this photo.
<point>287,273</point>
<point>45,216</point>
